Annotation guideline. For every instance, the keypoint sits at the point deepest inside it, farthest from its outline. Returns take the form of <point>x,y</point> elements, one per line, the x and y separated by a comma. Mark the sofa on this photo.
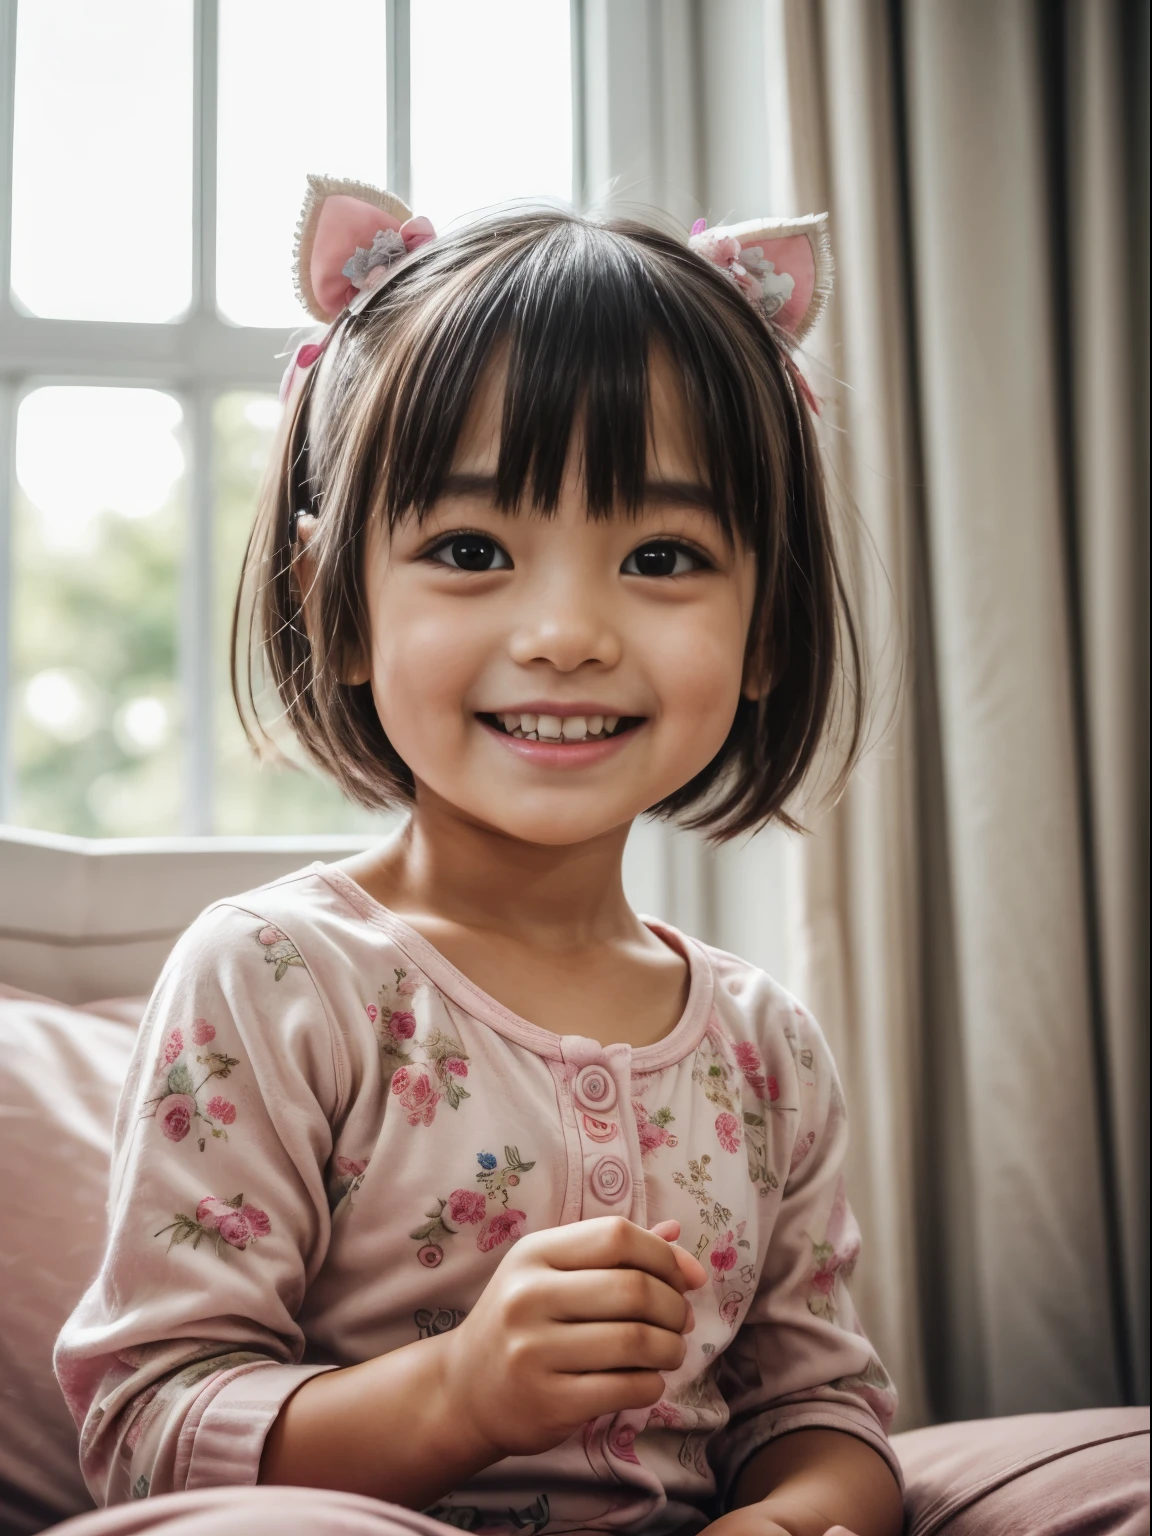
<point>84,930</point>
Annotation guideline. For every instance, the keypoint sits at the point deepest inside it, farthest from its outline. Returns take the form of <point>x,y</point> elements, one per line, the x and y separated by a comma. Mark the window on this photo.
<point>157,159</point>
<point>152,163</point>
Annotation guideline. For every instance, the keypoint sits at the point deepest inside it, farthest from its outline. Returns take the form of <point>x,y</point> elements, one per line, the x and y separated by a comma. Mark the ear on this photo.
<point>784,266</point>
<point>339,223</point>
<point>757,685</point>
<point>304,571</point>
<point>356,672</point>
<point>758,679</point>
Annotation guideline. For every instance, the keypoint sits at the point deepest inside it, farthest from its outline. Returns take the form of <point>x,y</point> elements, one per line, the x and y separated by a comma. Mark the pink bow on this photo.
<point>348,231</point>
<point>353,245</point>
<point>416,232</point>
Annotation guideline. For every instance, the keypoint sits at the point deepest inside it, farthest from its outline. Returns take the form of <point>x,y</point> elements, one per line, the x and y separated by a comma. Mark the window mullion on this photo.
<point>206,60</point>
<point>197,650</point>
<point>576,43</point>
<point>399,100</point>
<point>7,133</point>
<point>8,396</point>
<point>196,641</point>
<point>8,387</point>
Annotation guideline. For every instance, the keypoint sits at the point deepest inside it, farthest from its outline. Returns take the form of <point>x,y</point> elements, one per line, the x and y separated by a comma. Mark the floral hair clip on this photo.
<point>349,236</point>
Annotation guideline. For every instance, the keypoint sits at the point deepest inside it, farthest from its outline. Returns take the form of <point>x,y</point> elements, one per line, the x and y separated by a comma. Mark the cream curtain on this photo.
<point>970,922</point>
<point>974,911</point>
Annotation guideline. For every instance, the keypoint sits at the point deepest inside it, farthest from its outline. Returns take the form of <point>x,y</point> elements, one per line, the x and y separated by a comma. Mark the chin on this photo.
<point>555,827</point>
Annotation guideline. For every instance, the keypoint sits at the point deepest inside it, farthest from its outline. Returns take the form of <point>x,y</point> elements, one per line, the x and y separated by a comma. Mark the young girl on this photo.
<point>409,1140</point>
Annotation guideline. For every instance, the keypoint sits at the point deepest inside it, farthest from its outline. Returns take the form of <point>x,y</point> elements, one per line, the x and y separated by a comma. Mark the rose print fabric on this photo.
<point>328,1140</point>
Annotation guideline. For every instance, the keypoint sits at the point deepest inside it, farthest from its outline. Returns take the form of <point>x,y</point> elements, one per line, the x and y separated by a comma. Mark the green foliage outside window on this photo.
<point>95,629</point>
<point>99,722</point>
<point>252,797</point>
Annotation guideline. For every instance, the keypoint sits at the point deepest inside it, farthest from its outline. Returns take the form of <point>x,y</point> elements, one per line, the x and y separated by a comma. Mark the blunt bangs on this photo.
<point>573,312</point>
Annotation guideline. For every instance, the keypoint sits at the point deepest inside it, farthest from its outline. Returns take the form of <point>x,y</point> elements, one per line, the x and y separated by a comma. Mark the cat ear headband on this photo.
<point>351,234</point>
<point>782,266</point>
<point>348,237</point>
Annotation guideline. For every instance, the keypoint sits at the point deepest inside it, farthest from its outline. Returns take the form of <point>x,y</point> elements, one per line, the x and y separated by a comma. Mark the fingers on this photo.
<point>595,1392</point>
<point>615,1295</point>
<point>613,1242</point>
<point>583,1347</point>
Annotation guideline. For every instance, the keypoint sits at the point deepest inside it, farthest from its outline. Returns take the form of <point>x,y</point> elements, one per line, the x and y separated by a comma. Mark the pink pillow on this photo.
<point>1083,1473</point>
<point>61,1069</point>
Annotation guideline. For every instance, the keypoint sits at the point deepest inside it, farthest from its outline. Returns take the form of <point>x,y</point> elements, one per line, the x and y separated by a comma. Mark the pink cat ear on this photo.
<point>783,266</point>
<point>348,235</point>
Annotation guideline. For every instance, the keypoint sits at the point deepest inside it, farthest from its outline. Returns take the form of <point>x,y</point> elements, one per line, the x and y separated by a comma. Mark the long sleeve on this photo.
<point>180,1354</point>
<point>800,1359</point>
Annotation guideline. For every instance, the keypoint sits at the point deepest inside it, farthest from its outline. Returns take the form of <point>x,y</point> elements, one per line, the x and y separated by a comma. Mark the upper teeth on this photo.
<point>559,728</point>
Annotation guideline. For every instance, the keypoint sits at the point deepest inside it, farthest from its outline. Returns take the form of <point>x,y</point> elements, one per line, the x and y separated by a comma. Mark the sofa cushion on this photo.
<point>1083,1473</point>
<point>60,1074</point>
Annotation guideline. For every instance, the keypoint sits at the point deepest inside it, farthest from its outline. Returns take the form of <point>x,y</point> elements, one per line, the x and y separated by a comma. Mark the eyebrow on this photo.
<point>679,493</point>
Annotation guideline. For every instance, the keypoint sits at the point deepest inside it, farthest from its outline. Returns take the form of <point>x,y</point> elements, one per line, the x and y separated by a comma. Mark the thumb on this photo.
<point>690,1267</point>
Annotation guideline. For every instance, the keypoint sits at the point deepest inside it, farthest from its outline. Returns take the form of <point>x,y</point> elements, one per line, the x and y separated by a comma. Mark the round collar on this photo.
<point>680,1041</point>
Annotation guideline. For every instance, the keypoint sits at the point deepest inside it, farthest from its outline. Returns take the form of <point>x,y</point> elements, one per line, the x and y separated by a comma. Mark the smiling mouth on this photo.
<point>560,730</point>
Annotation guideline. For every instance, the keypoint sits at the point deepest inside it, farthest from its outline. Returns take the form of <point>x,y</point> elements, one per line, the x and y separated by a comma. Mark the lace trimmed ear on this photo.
<point>783,266</point>
<point>339,220</point>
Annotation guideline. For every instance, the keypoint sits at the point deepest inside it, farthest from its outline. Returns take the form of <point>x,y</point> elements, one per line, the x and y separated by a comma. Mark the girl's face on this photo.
<point>552,678</point>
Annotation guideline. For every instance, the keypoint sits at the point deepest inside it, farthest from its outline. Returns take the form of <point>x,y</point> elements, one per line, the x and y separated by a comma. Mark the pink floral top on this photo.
<point>327,1141</point>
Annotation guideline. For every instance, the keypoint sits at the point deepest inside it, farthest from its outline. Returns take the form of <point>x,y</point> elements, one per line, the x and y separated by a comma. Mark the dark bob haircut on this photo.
<point>576,307</point>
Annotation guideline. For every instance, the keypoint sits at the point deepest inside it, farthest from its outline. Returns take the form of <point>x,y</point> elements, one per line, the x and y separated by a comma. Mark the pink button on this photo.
<point>610,1181</point>
<point>599,1130</point>
<point>595,1089</point>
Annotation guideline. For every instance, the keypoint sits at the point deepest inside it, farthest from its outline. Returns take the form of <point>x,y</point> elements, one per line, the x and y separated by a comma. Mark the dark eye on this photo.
<point>471,552</point>
<point>661,557</point>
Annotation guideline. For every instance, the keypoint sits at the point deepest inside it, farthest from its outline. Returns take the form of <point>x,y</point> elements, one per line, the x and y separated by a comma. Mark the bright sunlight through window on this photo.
<point>142,380</point>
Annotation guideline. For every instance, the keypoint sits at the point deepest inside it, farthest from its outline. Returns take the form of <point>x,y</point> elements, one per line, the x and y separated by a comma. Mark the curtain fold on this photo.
<point>858,954</point>
<point>970,921</point>
<point>974,909</point>
<point>1106,148</point>
<point>989,359</point>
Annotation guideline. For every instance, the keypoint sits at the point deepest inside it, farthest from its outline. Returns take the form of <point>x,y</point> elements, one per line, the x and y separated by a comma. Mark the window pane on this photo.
<point>491,104</point>
<point>98,544</point>
<point>254,799</point>
<point>102,174</point>
<point>293,100</point>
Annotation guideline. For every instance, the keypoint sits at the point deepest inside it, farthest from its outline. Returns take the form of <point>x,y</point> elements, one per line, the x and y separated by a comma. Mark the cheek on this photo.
<point>701,661</point>
<point>420,669</point>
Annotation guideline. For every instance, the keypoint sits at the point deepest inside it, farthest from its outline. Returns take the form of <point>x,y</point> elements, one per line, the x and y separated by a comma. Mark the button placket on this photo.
<point>608,1185</point>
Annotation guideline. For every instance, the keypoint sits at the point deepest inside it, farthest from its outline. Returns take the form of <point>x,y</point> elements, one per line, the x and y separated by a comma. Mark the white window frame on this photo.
<point>195,359</point>
<point>635,117</point>
<point>652,86</point>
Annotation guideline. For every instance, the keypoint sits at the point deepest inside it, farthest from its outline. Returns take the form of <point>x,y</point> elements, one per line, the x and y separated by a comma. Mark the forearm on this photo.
<point>385,1428</point>
<point>812,1479</point>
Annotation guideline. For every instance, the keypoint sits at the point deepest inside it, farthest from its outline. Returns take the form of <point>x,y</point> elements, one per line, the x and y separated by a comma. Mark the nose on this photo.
<point>567,625</point>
